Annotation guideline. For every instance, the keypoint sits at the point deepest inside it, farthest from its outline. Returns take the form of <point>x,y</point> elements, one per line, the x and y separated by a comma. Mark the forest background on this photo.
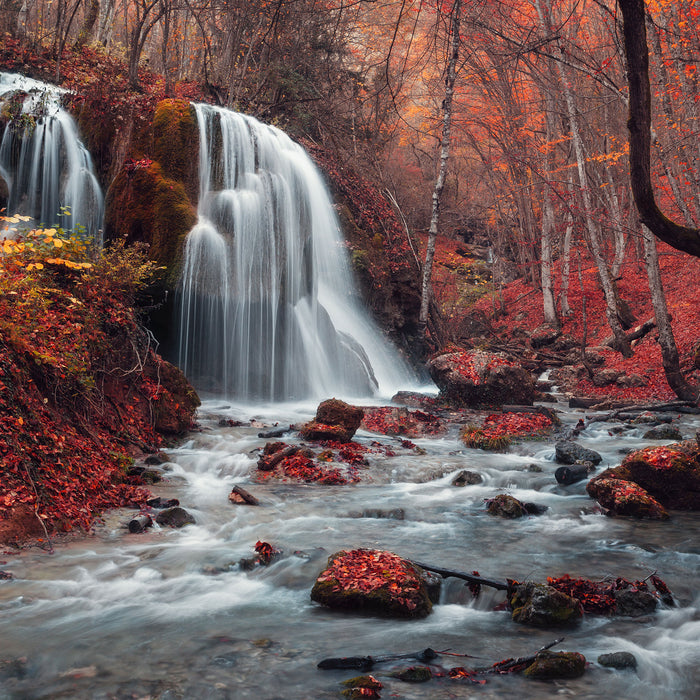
<point>536,217</point>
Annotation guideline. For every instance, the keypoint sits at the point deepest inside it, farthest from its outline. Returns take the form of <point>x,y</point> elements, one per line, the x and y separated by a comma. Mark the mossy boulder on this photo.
<point>623,497</point>
<point>549,665</point>
<point>334,420</point>
<point>543,606</point>
<point>480,378</point>
<point>374,582</point>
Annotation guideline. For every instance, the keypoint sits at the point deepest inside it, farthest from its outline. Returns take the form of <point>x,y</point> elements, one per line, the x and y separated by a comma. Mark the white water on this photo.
<point>169,614</point>
<point>47,169</point>
<point>268,308</point>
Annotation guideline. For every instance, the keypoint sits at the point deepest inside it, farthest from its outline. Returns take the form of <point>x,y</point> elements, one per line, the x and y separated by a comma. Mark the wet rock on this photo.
<point>618,659</point>
<point>175,517</point>
<point>393,514</point>
<point>413,674</point>
<point>476,377</point>
<point>622,497</point>
<point>274,432</point>
<point>664,432</point>
<point>505,506</point>
<point>549,665</point>
<point>239,496</point>
<point>335,420</point>
<point>157,458</point>
<point>570,452</point>
<point>543,606</point>
<point>534,468</point>
<point>6,575</point>
<point>13,668</point>
<point>574,473</point>
<point>372,581</point>
<point>544,335</point>
<point>535,508</point>
<point>467,478</point>
<point>670,474</point>
<point>361,687</point>
<point>631,602</point>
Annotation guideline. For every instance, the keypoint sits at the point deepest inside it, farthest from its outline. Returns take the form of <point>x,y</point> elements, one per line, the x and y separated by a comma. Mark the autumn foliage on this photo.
<point>81,386</point>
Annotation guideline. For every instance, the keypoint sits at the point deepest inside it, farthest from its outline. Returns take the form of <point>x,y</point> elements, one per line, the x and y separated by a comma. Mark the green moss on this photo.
<point>560,664</point>
<point>144,205</point>
<point>176,143</point>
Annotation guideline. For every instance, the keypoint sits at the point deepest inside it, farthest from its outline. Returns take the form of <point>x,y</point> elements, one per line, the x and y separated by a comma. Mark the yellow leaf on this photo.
<point>58,243</point>
<point>49,232</point>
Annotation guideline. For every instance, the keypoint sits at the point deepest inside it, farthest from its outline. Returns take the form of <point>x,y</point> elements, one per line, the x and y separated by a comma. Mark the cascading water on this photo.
<point>47,169</point>
<point>267,304</point>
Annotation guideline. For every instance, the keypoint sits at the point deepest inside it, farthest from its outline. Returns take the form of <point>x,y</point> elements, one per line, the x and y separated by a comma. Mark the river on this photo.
<point>169,614</point>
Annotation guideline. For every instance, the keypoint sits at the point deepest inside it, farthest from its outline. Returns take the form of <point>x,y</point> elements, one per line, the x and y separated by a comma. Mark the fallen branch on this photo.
<point>366,663</point>
<point>679,406</point>
<point>513,665</point>
<point>471,578</point>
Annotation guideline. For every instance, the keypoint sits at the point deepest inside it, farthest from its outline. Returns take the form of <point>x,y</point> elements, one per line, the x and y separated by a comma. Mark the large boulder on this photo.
<point>543,606</point>
<point>373,581</point>
<point>477,378</point>
<point>670,474</point>
<point>622,497</point>
<point>335,420</point>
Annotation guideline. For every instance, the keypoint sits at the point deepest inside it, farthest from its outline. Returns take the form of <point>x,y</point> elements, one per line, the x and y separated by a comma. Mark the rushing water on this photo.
<point>169,613</point>
<point>47,169</point>
<point>268,308</point>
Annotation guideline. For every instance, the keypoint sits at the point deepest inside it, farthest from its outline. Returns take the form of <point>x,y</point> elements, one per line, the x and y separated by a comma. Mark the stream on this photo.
<point>169,614</point>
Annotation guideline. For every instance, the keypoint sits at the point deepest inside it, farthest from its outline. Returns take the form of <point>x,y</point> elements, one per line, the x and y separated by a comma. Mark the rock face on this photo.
<point>556,664</point>
<point>335,420</point>
<point>543,606</point>
<point>669,475</point>
<point>375,582</point>
<point>175,517</point>
<point>478,378</point>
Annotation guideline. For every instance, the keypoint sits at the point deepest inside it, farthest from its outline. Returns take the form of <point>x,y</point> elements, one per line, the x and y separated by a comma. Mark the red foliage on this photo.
<point>598,597</point>
<point>516,424</point>
<point>389,420</point>
<point>461,673</point>
<point>368,570</point>
<point>659,457</point>
<point>266,552</point>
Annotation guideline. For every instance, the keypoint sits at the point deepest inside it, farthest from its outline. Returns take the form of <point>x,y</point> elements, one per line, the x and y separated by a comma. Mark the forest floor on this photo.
<point>514,311</point>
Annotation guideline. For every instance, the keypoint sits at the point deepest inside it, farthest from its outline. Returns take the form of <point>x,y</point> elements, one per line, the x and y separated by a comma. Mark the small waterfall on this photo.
<point>268,309</point>
<point>48,171</point>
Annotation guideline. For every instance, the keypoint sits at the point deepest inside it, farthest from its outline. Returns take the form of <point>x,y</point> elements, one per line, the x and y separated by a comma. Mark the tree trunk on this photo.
<point>426,289</point>
<point>682,238</point>
<point>669,351</point>
<point>85,32</point>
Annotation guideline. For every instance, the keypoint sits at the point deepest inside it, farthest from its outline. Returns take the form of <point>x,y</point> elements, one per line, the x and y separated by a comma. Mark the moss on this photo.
<point>144,205</point>
<point>556,664</point>
<point>176,143</point>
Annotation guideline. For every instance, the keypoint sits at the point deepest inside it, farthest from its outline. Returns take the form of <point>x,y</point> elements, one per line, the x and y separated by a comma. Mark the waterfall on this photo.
<point>47,169</point>
<point>266,300</point>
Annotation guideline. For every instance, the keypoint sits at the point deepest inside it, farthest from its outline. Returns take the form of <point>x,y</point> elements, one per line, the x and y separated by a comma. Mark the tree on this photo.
<point>451,74</point>
<point>683,238</point>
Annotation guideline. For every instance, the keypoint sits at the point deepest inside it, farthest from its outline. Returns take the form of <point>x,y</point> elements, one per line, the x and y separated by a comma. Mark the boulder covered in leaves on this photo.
<point>541,605</point>
<point>622,497</point>
<point>480,378</point>
<point>334,420</point>
<point>375,582</point>
<point>670,474</point>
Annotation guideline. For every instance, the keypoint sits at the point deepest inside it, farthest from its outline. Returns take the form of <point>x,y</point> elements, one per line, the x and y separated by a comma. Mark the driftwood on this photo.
<point>240,496</point>
<point>140,523</point>
<point>268,463</point>
<point>274,432</point>
<point>471,578</point>
<point>366,663</point>
<point>511,665</point>
<point>675,406</point>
